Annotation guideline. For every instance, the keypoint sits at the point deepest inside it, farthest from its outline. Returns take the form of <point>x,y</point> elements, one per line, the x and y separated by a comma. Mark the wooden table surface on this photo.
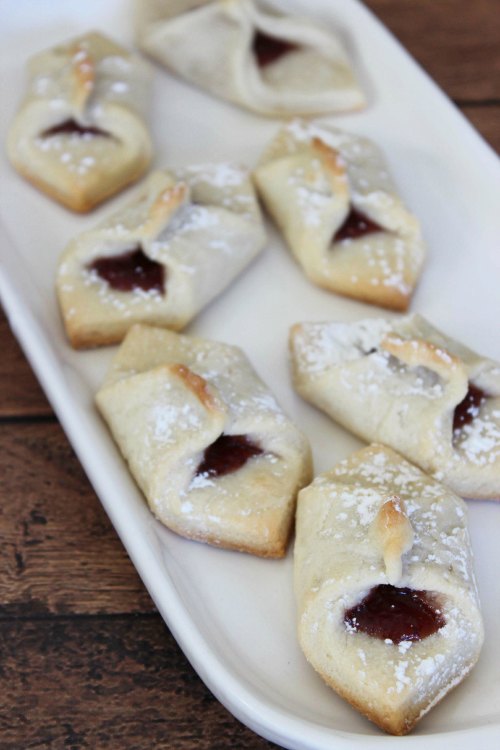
<point>86,661</point>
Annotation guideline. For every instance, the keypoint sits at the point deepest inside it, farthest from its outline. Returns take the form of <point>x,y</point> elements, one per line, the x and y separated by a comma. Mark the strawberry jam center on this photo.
<point>72,127</point>
<point>469,407</point>
<point>227,454</point>
<point>398,614</point>
<point>356,225</point>
<point>267,49</point>
<point>130,270</point>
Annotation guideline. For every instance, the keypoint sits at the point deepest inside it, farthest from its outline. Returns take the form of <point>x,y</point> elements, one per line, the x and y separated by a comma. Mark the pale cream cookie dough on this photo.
<point>332,197</point>
<point>80,134</point>
<point>404,383</point>
<point>252,55</point>
<point>163,257</point>
<point>206,441</point>
<point>387,601</point>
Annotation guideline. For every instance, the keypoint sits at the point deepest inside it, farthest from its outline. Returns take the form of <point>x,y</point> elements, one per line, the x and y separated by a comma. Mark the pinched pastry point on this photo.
<point>395,533</point>
<point>163,208</point>
<point>196,385</point>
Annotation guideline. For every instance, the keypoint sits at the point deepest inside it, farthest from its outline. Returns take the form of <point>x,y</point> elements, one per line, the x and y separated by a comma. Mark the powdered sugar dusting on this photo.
<point>354,367</point>
<point>339,559</point>
<point>186,410</point>
<point>221,175</point>
<point>479,441</point>
<point>366,170</point>
<point>168,420</point>
<point>319,346</point>
<point>387,261</point>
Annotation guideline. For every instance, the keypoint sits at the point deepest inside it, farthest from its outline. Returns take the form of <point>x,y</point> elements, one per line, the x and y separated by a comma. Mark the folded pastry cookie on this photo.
<point>404,383</point>
<point>212,451</point>
<point>252,55</point>
<point>163,257</point>
<point>331,195</point>
<point>80,134</point>
<point>388,607</point>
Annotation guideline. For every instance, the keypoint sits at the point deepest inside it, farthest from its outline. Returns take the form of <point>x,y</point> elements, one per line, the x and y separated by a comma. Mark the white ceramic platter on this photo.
<point>233,615</point>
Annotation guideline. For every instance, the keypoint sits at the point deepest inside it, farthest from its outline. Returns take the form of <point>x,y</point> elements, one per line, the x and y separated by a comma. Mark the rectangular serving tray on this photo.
<point>234,615</point>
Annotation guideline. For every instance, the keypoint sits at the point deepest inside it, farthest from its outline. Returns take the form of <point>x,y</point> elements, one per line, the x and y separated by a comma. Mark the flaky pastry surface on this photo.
<point>311,177</point>
<point>376,519</point>
<point>209,43</point>
<point>201,223</point>
<point>166,399</point>
<point>99,85</point>
<point>400,382</point>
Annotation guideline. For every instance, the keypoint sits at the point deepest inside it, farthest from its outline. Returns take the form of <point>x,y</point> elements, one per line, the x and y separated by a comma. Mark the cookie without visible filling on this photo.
<point>80,134</point>
<point>330,194</point>
<point>405,384</point>
<point>256,57</point>
<point>215,456</point>
<point>163,257</point>
<point>388,606</point>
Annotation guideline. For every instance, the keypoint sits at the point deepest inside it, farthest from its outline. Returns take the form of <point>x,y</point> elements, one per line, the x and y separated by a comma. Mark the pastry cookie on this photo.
<point>163,257</point>
<point>331,195</point>
<point>213,453</point>
<point>387,601</point>
<point>254,56</point>
<point>80,134</point>
<point>404,383</point>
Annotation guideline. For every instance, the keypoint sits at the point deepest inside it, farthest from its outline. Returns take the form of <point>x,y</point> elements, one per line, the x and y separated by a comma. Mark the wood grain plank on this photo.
<point>456,41</point>
<point>59,553</point>
<point>487,121</point>
<point>107,684</point>
<point>20,393</point>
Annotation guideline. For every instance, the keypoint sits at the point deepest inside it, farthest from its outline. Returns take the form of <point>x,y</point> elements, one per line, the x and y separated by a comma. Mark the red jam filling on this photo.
<point>72,127</point>
<point>469,407</point>
<point>130,270</point>
<point>400,614</point>
<point>227,454</point>
<point>356,225</point>
<point>268,49</point>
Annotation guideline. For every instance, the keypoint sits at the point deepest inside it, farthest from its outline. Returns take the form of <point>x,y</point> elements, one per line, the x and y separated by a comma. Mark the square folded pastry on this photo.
<point>80,134</point>
<point>330,194</point>
<point>161,258</point>
<point>204,438</point>
<point>387,601</point>
<point>250,54</point>
<point>404,383</point>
